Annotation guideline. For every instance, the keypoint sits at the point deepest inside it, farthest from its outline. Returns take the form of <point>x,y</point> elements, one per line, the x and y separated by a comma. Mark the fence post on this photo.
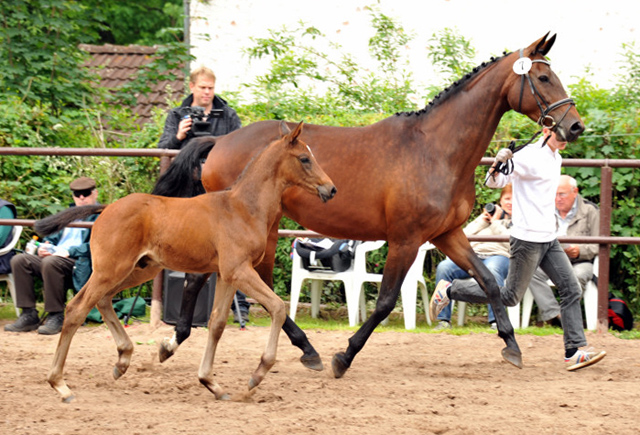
<point>155,316</point>
<point>604,250</point>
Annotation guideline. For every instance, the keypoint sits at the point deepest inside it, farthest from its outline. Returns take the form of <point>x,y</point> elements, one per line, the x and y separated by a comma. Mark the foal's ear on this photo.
<point>296,132</point>
<point>543,45</point>
<point>284,129</point>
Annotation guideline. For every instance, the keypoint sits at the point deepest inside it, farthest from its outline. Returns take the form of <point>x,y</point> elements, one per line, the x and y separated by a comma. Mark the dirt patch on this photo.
<point>406,383</point>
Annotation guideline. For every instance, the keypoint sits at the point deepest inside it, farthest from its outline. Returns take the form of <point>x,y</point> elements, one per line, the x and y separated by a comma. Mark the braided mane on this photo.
<point>453,88</point>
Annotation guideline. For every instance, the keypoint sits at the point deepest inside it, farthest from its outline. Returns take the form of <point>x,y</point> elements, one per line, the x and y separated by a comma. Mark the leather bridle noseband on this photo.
<point>545,108</point>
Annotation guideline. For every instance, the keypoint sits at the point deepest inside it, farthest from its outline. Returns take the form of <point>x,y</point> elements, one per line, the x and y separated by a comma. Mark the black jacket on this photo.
<point>219,126</point>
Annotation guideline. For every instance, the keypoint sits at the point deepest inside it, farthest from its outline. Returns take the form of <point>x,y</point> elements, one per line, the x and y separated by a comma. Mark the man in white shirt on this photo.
<point>533,243</point>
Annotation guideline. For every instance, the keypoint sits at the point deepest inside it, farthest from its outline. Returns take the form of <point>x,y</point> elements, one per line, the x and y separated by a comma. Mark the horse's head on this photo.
<point>303,169</point>
<point>537,92</point>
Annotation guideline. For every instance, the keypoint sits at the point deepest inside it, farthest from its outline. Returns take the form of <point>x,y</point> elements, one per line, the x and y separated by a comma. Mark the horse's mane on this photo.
<point>454,88</point>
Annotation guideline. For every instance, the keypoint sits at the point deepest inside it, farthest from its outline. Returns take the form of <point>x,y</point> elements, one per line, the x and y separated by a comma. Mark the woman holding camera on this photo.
<point>495,219</point>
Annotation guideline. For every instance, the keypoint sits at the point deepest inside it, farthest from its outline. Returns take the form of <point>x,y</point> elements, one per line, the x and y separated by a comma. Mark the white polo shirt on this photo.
<point>535,180</point>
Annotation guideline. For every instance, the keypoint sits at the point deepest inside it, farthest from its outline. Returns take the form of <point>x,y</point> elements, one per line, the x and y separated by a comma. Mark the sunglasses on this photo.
<point>84,192</point>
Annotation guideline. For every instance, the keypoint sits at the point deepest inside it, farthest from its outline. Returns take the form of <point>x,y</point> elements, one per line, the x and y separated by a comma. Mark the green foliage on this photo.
<point>39,47</point>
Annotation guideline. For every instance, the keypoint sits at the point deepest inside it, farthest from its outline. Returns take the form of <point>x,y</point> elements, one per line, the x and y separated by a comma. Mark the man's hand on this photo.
<point>183,128</point>
<point>572,251</point>
<point>503,155</point>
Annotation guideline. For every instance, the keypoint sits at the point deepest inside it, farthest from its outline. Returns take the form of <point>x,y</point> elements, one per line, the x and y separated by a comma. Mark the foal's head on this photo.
<point>301,168</point>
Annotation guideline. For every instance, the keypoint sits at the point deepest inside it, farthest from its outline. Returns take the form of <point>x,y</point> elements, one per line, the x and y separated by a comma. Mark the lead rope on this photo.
<point>506,168</point>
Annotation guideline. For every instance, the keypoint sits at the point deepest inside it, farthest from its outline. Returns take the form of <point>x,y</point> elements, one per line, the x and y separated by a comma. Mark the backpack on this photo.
<point>325,254</point>
<point>620,317</point>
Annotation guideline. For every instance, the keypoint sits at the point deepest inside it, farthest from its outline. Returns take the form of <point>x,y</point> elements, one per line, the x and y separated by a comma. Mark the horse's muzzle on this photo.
<point>326,192</point>
<point>571,134</point>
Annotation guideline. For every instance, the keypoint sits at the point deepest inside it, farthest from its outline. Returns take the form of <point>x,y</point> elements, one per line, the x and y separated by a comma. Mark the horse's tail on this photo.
<point>182,178</point>
<point>58,221</point>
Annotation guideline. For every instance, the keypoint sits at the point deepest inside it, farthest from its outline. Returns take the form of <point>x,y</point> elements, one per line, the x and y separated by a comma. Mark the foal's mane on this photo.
<point>454,88</point>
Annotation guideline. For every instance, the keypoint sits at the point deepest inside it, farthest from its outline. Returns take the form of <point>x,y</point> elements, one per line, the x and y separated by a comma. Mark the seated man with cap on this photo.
<point>62,261</point>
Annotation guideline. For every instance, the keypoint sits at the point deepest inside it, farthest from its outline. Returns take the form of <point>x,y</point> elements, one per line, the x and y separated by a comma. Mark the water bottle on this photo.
<point>32,246</point>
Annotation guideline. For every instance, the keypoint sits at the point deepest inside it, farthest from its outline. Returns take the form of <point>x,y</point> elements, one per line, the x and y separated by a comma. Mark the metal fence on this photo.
<point>605,240</point>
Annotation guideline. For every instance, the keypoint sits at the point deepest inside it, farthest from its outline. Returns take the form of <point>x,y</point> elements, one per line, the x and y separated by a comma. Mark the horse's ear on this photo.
<point>296,132</point>
<point>284,128</point>
<point>543,45</point>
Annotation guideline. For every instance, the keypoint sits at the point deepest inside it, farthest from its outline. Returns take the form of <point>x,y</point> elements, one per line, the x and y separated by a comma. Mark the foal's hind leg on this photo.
<point>121,338</point>
<point>192,286</point>
<point>75,314</point>
<point>217,322</point>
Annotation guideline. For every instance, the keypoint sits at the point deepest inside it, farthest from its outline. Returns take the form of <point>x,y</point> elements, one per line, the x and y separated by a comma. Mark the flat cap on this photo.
<point>83,183</point>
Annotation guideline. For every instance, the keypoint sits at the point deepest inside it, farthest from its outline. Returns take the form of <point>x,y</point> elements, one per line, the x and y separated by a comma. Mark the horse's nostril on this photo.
<point>333,191</point>
<point>577,128</point>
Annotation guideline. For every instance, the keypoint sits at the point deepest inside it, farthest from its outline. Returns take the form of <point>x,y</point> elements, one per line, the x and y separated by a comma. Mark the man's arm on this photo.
<point>168,138</point>
<point>590,250</point>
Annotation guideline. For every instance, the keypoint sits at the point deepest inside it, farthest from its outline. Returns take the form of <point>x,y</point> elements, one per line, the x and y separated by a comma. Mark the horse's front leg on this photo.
<point>192,285</point>
<point>456,246</point>
<point>249,282</point>
<point>217,322</point>
<point>310,357</point>
<point>396,268</point>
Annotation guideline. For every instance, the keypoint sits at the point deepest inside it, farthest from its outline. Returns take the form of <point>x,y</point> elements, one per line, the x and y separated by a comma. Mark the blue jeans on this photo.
<point>525,259</point>
<point>498,265</point>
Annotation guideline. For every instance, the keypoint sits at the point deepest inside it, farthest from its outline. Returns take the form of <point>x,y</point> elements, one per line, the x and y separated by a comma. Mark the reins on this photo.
<point>522,68</point>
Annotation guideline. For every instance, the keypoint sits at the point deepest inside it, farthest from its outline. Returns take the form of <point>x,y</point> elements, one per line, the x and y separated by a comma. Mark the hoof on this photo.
<point>164,354</point>
<point>339,365</point>
<point>224,397</point>
<point>117,373</point>
<point>253,383</point>
<point>68,399</point>
<point>512,356</point>
<point>312,362</point>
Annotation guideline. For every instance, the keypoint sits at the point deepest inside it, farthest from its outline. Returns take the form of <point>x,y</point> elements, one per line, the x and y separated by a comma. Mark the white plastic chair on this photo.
<point>8,277</point>
<point>512,312</point>
<point>590,299</point>
<point>353,279</point>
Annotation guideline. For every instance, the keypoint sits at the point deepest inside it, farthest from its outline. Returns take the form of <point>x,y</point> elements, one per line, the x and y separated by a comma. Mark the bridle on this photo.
<point>545,119</point>
<point>522,67</point>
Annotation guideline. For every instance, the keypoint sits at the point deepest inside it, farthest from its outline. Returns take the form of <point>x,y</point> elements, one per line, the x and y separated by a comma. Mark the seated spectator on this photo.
<point>62,261</point>
<point>494,255</point>
<point>7,211</point>
<point>575,217</point>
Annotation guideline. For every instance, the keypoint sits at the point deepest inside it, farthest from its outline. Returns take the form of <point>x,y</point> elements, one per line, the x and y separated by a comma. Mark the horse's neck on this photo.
<point>259,189</point>
<point>471,117</point>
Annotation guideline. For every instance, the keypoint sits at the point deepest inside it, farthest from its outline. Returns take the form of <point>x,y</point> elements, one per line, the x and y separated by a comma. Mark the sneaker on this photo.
<point>584,358</point>
<point>493,326</point>
<point>52,324</point>
<point>439,298</point>
<point>28,321</point>
<point>442,324</point>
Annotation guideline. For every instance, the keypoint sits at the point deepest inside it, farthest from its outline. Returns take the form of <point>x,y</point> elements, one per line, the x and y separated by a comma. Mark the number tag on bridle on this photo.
<point>522,66</point>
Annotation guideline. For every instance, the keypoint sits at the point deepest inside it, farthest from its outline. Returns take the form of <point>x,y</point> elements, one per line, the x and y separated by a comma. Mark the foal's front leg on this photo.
<point>121,338</point>
<point>217,322</point>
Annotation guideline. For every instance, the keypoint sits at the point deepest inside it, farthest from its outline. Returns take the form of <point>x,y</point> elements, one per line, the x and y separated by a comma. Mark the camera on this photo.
<point>199,127</point>
<point>491,209</point>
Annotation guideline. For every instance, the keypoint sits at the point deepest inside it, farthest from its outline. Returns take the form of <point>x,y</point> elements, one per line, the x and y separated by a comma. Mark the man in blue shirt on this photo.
<point>62,261</point>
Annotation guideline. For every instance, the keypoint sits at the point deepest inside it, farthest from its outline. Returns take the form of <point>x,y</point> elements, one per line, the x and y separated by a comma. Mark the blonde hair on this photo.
<point>506,189</point>
<point>201,71</point>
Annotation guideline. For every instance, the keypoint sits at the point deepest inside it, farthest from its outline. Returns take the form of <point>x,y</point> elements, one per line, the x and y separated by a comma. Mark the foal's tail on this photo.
<point>58,221</point>
<point>182,178</point>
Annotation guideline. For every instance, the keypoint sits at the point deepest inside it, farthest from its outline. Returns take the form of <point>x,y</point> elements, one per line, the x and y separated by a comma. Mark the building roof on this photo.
<point>116,64</point>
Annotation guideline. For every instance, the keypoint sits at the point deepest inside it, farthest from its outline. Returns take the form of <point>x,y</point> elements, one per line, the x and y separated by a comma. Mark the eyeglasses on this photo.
<point>84,192</point>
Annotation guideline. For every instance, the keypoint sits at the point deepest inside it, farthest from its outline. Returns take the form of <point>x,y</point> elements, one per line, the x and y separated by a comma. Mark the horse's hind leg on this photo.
<point>76,313</point>
<point>217,322</point>
<point>192,286</point>
<point>122,340</point>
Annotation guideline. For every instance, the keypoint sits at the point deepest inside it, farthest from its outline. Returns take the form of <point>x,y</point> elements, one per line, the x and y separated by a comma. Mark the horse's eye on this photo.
<point>305,160</point>
<point>544,79</point>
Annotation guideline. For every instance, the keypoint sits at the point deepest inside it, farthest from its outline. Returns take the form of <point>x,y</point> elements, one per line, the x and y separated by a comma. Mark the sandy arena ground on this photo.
<point>401,383</point>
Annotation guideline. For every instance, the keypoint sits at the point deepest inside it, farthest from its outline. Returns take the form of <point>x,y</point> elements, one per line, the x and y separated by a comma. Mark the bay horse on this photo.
<point>406,179</point>
<point>225,232</point>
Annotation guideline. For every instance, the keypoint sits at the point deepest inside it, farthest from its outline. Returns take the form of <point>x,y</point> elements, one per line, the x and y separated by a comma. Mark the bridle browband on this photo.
<point>540,101</point>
